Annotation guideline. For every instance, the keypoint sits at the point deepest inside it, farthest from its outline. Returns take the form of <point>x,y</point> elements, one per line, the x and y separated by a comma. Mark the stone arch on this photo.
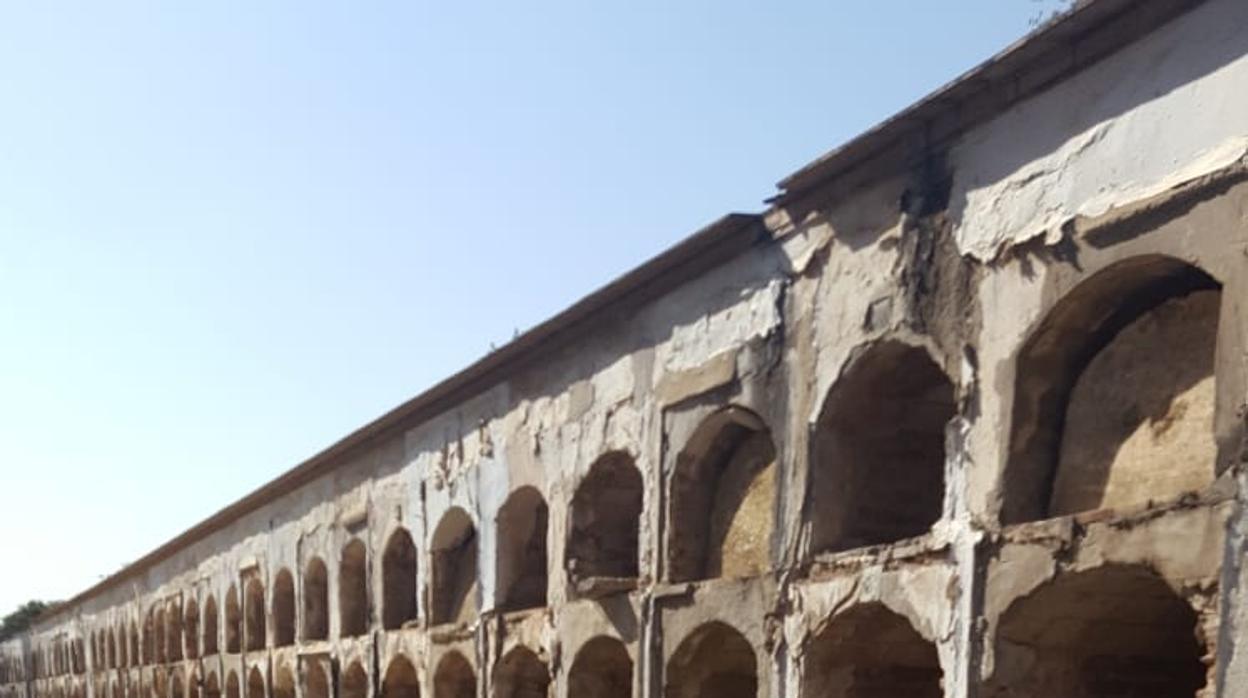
<point>190,628</point>
<point>1116,630</point>
<point>255,683</point>
<point>173,632</point>
<point>398,580</point>
<point>316,681</point>
<point>283,608</point>
<point>602,668</point>
<point>878,472</point>
<point>316,600</point>
<point>354,682</point>
<point>212,687</point>
<point>210,626</point>
<point>454,552</point>
<point>254,615</point>
<point>714,661</point>
<point>400,680</point>
<point>870,651</point>
<point>1114,393</point>
<point>353,589</point>
<point>606,520</point>
<point>722,499</point>
<point>233,621</point>
<point>520,578</point>
<point>454,677</point>
<point>283,682</point>
<point>521,674</point>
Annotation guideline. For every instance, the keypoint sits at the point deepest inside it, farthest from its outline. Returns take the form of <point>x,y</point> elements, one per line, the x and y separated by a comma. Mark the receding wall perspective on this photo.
<point>962,413</point>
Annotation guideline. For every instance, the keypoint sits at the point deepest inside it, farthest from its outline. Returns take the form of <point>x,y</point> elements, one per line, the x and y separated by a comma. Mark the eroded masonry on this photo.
<point>962,413</point>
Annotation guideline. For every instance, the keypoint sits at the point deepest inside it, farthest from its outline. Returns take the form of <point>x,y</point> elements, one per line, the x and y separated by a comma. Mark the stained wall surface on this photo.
<point>974,425</point>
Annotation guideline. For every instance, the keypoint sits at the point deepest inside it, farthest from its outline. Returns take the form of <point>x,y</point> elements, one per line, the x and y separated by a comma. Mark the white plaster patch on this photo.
<point>693,344</point>
<point>1159,113</point>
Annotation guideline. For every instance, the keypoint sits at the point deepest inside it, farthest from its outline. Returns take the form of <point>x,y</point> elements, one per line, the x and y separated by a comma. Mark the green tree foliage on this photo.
<point>19,620</point>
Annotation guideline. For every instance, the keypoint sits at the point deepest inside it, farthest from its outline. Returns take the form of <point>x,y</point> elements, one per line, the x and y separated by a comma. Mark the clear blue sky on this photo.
<point>232,232</point>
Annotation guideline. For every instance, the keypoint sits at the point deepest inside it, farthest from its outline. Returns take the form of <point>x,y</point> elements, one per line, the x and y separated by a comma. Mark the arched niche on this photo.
<point>722,499</point>
<point>454,578</point>
<point>877,471</point>
<point>398,564</point>
<point>1114,393</point>
<point>606,521</point>
<point>520,566</point>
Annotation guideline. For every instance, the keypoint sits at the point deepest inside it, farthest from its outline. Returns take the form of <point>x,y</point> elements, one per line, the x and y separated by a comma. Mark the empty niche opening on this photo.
<point>1114,393</point>
<point>173,634</point>
<point>521,674</point>
<point>521,541</point>
<point>255,683</point>
<point>210,626</point>
<point>714,661</point>
<point>315,600</point>
<point>190,628</point>
<point>135,659</point>
<point>871,652</point>
<point>158,638</point>
<point>254,609</point>
<point>283,608</point>
<point>723,491</point>
<point>233,621</point>
<point>212,688</point>
<point>454,553</point>
<point>193,684</point>
<point>400,680</point>
<point>1109,631</point>
<point>283,683</point>
<point>353,590</point>
<point>123,658</point>
<point>176,689</point>
<point>606,520</point>
<point>160,683</point>
<point>110,649</point>
<point>315,680</point>
<point>454,677</point>
<point>398,577</point>
<point>603,669</point>
<point>878,475</point>
<point>354,682</point>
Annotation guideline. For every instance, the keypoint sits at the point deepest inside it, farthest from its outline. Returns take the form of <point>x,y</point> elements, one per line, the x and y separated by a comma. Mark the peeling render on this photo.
<point>974,425</point>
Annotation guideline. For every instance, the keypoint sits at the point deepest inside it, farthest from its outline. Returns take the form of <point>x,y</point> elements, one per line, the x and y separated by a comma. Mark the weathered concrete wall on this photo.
<point>864,457</point>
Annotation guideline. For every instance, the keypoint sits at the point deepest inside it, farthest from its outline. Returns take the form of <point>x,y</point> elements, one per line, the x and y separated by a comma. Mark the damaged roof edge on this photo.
<point>1065,45</point>
<point>709,247</point>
